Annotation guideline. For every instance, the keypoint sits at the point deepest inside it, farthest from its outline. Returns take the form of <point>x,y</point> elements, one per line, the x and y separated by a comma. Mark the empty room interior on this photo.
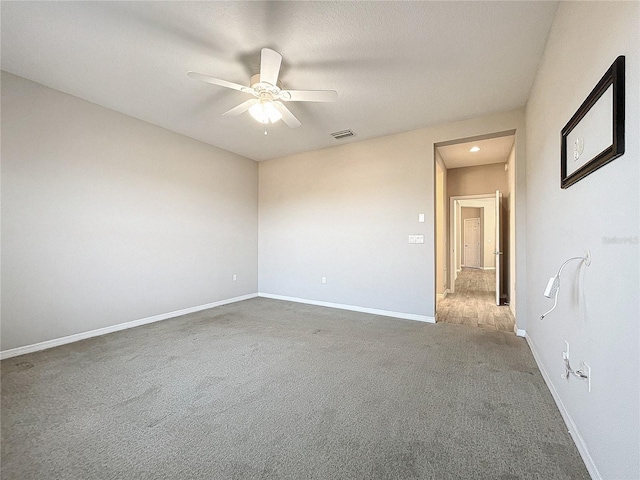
<point>290,240</point>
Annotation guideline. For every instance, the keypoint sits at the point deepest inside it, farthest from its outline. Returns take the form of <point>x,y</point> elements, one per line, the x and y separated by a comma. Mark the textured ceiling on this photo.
<point>492,150</point>
<point>396,66</point>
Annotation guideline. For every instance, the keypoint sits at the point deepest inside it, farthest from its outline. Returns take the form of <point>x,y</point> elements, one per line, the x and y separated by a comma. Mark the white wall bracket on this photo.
<point>569,371</point>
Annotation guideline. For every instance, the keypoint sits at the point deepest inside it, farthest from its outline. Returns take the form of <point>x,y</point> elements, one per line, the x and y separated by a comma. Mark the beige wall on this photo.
<point>110,219</point>
<point>346,213</point>
<point>477,180</point>
<point>598,306</point>
<point>107,219</point>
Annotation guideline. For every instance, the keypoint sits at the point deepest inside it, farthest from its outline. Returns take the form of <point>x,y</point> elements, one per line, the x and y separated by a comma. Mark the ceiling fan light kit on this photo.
<point>264,111</point>
<point>267,106</point>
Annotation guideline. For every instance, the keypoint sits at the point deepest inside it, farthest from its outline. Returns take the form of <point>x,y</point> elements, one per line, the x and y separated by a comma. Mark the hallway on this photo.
<point>474,303</point>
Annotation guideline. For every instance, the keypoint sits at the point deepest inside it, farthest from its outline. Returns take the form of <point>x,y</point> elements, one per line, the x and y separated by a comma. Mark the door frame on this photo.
<point>455,203</point>
<point>508,123</point>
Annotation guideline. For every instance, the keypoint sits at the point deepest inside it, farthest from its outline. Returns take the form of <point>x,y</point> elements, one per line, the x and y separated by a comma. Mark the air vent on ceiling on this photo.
<point>342,134</point>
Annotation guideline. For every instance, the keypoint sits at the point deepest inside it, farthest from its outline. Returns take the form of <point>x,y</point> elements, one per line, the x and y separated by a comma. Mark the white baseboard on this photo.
<point>443,295</point>
<point>571,426</point>
<point>488,268</point>
<point>13,352</point>
<point>519,332</point>
<point>353,308</point>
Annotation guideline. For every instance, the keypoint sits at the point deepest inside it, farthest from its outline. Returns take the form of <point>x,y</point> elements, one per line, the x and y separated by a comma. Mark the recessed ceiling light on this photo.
<point>474,149</point>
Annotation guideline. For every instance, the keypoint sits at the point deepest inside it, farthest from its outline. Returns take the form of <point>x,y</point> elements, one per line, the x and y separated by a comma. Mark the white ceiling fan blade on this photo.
<point>217,81</point>
<point>270,61</point>
<point>287,117</point>
<point>309,95</point>
<point>243,107</point>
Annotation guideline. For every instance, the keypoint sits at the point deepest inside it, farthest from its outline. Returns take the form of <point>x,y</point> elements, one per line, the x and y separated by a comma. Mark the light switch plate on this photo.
<point>421,218</point>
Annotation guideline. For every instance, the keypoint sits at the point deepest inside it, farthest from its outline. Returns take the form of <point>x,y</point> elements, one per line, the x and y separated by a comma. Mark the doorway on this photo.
<point>475,296</point>
<point>476,264</point>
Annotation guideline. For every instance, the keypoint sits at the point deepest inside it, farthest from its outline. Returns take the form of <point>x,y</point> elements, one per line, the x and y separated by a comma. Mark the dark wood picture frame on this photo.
<point>613,77</point>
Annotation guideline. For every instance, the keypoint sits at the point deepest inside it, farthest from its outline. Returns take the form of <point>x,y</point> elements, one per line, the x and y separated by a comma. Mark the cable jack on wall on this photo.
<point>553,287</point>
<point>569,371</point>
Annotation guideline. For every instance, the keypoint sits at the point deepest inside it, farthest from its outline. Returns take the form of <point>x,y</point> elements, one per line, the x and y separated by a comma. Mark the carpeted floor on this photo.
<point>264,389</point>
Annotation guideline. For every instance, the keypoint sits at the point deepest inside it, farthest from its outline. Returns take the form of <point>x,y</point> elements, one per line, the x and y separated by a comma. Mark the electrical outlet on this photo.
<point>235,277</point>
<point>586,369</point>
<point>565,354</point>
<point>323,279</point>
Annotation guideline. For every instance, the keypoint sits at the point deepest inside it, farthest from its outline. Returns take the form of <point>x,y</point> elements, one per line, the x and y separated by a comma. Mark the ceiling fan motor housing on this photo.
<point>256,84</point>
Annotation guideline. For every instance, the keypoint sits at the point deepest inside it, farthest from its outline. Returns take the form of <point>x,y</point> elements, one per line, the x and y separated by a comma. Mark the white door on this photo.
<point>471,241</point>
<point>498,244</point>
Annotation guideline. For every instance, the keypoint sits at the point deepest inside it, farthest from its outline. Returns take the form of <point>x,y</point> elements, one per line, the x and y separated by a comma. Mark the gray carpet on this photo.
<point>265,389</point>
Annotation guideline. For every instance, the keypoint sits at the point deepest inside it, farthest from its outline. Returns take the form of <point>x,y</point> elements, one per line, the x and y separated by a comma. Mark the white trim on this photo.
<point>519,332</point>
<point>13,352</point>
<point>488,268</point>
<point>571,426</point>
<point>443,295</point>
<point>353,308</point>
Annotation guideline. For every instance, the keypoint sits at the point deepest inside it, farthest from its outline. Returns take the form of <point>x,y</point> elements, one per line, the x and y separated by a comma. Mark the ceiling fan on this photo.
<point>267,106</point>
